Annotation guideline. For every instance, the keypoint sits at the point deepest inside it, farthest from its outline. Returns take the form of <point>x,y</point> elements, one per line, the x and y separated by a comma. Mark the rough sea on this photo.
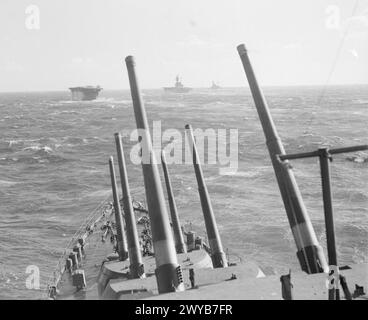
<point>54,171</point>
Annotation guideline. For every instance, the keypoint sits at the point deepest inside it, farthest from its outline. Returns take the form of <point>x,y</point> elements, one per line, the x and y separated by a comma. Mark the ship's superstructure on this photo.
<point>215,86</point>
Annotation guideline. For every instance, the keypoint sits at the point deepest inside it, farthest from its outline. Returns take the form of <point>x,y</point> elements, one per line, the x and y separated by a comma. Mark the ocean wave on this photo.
<point>307,134</point>
<point>103,193</point>
<point>67,102</point>
<point>360,101</point>
<point>246,174</point>
<point>6,183</point>
<point>9,159</point>
<point>355,197</point>
<point>35,154</point>
<point>67,112</point>
<point>37,159</point>
<point>10,144</point>
<point>358,158</point>
<point>46,145</point>
<point>14,142</point>
<point>72,141</point>
<point>39,149</point>
<point>122,101</point>
<point>254,172</point>
<point>23,144</point>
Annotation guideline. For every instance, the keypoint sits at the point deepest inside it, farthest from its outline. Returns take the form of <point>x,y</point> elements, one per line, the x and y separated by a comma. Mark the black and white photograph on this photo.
<point>183,155</point>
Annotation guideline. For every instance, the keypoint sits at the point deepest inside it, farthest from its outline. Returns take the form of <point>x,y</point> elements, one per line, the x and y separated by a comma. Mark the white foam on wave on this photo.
<point>360,101</point>
<point>33,142</point>
<point>6,183</point>
<point>358,158</point>
<point>66,102</point>
<point>18,141</point>
<point>247,174</point>
<point>39,148</point>
<point>14,142</point>
<point>68,112</point>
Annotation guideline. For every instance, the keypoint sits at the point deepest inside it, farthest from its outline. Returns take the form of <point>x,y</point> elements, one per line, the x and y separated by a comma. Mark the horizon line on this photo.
<point>196,88</point>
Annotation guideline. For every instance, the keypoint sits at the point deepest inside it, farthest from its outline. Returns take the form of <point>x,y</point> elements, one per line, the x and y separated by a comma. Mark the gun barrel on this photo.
<point>168,271</point>
<point>310,253</point>
<point>178,234</point>
<point>218,256</point>
<point>121,240</point>
<point>135,256</point>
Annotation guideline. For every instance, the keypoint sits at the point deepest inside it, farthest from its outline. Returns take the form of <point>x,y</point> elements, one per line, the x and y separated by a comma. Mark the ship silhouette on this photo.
<point>86,93</point>
<point>178,88</point>
<point>215,85</point>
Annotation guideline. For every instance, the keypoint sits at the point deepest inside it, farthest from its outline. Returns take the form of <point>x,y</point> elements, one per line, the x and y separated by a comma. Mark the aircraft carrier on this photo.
<point>86,93</point>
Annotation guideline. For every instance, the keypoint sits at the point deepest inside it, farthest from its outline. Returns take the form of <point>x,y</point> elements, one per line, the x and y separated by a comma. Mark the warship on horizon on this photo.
<point>86,93</point>
<point>215,85</point>
<point>179,87</point>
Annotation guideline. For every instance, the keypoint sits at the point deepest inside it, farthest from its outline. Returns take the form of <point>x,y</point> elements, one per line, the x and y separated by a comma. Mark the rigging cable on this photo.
<point>333,66</point>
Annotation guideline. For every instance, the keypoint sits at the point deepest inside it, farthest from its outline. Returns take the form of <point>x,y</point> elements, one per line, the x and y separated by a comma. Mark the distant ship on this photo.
<point>86,93</point>
<point>215,86</point>
<point>179,87</point>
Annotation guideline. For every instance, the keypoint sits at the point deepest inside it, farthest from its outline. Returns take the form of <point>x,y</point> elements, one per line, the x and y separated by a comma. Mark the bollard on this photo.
<point>217,253</point>
<point>178,235</point>
<point>191,240</point>
<point>53,292</point>
<point>286,287</point>
<point>135,255</point>
<point>69,264</point>
<point>168,272</point>
<point>192,278</point>
<point>82,243</point>
<point>78,250</point>
<point>310,253</point>
<point>199,243</point>
<point>121,241</point>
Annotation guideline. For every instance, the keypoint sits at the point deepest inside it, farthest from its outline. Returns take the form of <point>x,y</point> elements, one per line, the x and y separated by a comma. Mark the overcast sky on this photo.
<point>83,42</point>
